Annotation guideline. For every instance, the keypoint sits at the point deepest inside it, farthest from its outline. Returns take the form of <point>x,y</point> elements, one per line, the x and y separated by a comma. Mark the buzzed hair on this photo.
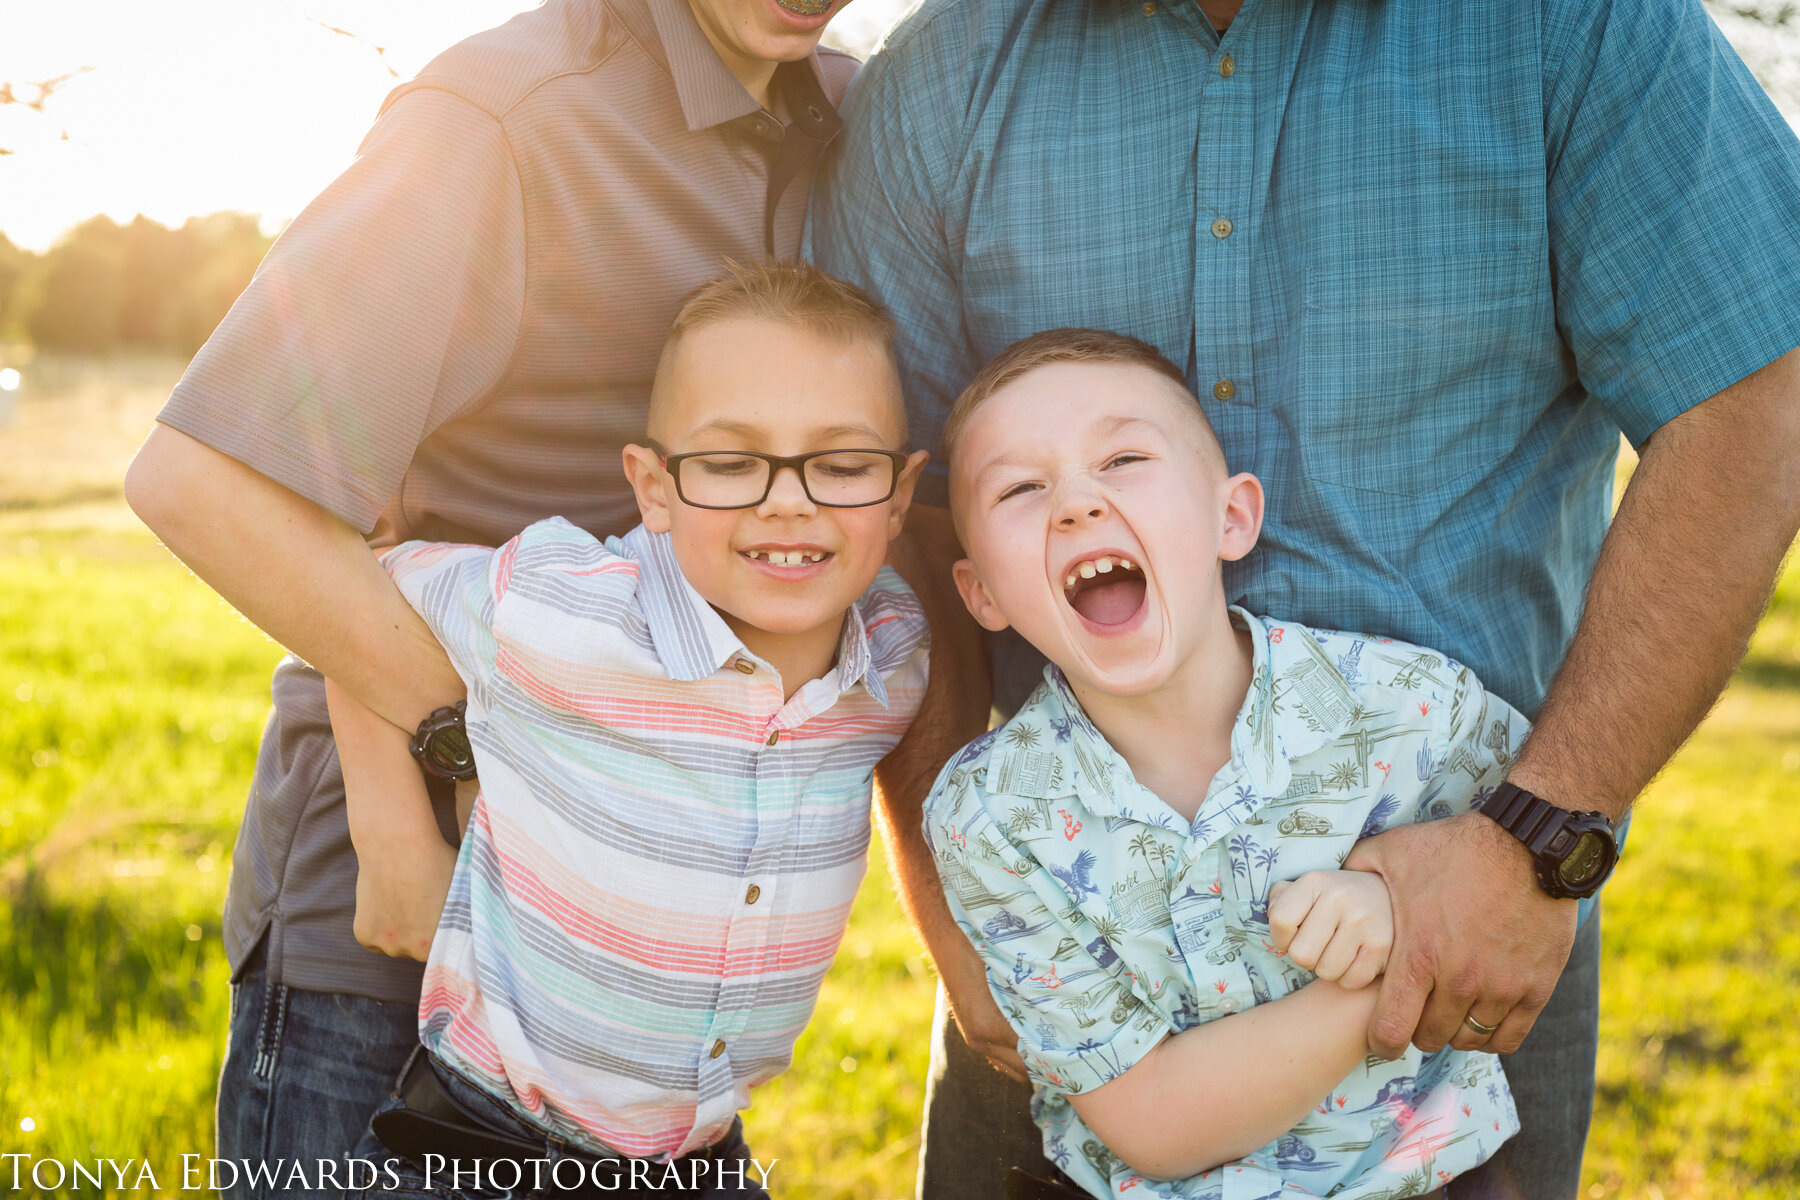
<point>790,293</point>
<point>1063,346</point>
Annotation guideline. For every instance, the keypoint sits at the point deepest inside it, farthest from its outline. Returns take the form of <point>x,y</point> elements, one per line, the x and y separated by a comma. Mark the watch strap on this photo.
<point>1549,833</point>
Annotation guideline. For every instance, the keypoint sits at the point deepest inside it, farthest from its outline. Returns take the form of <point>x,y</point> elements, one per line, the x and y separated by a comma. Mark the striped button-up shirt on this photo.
<point>665,850</point>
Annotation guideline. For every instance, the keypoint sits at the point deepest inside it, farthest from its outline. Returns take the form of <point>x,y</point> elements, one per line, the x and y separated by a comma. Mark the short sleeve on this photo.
<point>877,221</point>
<point>1079,1019</point>
<point>1673,206</point>
<point>391,304</point>
<point>452,588</point>
<point>1480,736</point>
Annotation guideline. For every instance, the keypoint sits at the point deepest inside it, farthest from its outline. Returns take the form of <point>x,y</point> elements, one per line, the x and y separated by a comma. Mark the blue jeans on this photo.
<point>303,1073</point>
<point>978,1122</point>
<point>395,1176</point>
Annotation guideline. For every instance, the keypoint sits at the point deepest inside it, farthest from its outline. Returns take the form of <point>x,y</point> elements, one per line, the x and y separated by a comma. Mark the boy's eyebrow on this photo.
<point>1117,424</point>
<point>750,432</point>
<point>1105,427</point>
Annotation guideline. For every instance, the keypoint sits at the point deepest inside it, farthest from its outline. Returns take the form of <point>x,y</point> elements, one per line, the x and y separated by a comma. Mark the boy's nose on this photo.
<point>787,494</point>
<point>1077,502</point>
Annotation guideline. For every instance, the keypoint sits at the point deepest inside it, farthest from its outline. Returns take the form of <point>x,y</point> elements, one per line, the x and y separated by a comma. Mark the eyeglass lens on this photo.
<point>844,478</point>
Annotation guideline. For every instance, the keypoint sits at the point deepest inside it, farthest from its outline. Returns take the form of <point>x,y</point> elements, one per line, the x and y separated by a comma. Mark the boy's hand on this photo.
<point>400,898</point>
<point>1337,924</point>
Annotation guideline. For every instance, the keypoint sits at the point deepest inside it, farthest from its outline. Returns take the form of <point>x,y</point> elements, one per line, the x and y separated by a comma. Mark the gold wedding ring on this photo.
<point>1478,1027</point>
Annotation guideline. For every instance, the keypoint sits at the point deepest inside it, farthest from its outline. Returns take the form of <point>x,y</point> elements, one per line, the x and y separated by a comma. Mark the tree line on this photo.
<point>105,287</point>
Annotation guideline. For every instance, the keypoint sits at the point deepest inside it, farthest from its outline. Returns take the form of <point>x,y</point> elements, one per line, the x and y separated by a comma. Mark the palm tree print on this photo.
<point>1144,845</point>
<point>1023,736</point>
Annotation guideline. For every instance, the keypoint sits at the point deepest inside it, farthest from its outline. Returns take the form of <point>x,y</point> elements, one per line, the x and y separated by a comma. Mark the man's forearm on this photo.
<point>1684,575</point>
<point>300,574</point>
<point>957,699</point>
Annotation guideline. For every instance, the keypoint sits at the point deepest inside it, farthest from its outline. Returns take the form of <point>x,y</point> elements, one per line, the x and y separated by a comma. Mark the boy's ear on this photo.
<point>904,484</point>
<point>1243,516</point>
<point>651,485</point>
<point>976,597</point>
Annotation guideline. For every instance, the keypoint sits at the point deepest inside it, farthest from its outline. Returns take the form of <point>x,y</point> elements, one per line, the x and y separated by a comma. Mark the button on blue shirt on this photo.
<point>1421,262</point>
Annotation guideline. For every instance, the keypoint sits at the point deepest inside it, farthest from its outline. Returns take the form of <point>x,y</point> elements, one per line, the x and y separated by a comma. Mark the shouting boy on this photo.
<point>1147,855</point>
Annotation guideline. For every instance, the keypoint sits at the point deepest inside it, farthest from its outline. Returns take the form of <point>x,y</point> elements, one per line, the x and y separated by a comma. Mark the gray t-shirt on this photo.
<point>456,338</point>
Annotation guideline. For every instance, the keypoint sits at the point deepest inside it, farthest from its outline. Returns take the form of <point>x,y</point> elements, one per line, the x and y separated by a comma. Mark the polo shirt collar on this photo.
<point>711,95</point>
<point>693,641</point>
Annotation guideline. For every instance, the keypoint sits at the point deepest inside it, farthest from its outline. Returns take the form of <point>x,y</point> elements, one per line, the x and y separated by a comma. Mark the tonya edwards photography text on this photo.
<point>203,1173</point>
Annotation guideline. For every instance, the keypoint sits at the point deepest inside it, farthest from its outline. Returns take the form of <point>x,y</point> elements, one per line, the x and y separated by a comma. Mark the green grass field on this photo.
<point>130,703</point>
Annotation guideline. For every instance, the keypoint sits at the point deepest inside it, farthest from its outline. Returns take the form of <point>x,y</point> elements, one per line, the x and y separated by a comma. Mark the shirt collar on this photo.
<point>855,662</point>
<point>693,641</point>
<point>1297,702</point>
<point>711,95</point>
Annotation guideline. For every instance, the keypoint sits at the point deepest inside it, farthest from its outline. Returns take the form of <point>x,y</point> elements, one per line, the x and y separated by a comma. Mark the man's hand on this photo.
<point>1473,936</point>
<point>984,1027</point>
<point>1337,924</point>
<point>400,896</point>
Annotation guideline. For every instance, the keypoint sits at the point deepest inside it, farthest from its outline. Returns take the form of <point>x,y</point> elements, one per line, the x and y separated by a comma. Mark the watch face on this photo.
<point>449,751</point>
<point>1583,862</point>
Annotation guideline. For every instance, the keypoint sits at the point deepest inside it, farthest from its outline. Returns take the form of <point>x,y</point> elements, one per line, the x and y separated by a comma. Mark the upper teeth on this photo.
<point>788,558</point>
<point>1096,566</point>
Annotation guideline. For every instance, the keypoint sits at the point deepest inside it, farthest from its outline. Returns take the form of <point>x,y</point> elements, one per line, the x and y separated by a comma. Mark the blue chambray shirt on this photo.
<point>1107,922</point>
<point>1421,261</point>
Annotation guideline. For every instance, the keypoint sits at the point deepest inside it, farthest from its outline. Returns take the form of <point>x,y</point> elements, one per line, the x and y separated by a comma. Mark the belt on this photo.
<point>431,1124</point>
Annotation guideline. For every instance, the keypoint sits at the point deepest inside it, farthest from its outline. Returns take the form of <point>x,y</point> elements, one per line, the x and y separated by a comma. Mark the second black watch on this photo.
<point>442,744</point>
<point>1573,852</point>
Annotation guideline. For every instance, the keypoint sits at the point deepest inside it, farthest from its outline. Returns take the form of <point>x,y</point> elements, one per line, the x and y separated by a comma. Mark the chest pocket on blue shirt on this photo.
<point>1412,367</point>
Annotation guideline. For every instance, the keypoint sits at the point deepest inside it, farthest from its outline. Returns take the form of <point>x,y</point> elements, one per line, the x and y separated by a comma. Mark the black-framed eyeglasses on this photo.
<point>722,479</point>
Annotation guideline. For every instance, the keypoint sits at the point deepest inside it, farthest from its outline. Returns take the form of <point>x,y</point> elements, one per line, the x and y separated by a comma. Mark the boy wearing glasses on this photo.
<point>675,732</point>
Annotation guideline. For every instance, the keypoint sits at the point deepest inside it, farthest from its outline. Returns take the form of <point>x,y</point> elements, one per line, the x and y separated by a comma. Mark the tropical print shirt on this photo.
<point>664,853</point>
<point>1107,921</point>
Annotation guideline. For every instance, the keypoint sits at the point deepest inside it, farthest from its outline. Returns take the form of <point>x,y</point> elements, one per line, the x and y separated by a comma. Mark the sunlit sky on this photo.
<point>193,106</point>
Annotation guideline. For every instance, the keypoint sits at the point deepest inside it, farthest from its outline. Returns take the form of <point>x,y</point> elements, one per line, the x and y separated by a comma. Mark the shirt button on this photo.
<point>753,895</point>
<point>1221,228</point>
<point>718,1048</point>
<point>1150,8</point>
<point>1224,389</point>
<point>774,736</point>
<point>1227,66</point>
<point>745,665</point>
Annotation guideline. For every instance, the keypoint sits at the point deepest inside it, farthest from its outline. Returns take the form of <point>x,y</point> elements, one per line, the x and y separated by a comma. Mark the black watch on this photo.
<point>1573,852</point>
<point>442,744</point>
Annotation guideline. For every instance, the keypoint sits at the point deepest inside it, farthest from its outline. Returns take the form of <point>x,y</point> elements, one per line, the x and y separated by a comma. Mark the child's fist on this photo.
<point>1337,924</point>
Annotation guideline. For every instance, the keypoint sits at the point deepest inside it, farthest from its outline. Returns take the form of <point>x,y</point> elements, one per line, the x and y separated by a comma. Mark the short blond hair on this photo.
<point>1056,346</point>
<point>791,294</point>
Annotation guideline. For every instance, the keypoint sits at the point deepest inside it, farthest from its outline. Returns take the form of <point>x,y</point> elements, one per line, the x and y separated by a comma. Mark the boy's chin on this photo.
<point>1124,678</point>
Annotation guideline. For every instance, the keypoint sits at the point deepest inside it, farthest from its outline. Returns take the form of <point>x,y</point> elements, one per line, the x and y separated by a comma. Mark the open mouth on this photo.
<point>804,8</point>
<point>787,558</point>
<point>1107,589</point>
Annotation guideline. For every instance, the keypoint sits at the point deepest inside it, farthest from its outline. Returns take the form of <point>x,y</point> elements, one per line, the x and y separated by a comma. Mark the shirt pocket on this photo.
<point>1412,367</point>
